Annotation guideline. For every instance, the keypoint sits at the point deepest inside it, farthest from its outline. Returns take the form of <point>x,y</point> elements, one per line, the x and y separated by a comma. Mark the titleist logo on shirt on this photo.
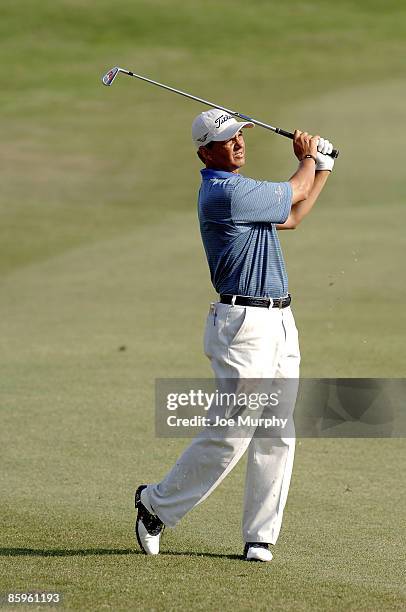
<point>222,119</point>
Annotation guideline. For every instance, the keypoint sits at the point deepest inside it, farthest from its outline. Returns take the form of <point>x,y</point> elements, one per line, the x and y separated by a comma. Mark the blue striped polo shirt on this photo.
<point>237,218</point>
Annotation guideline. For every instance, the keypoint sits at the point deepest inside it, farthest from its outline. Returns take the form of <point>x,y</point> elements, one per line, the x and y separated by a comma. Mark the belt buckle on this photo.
<point>280,303</point>
<point>270,305</point>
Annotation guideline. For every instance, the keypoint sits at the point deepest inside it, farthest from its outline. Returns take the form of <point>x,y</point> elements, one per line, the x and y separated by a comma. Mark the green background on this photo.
<point>101,251</point>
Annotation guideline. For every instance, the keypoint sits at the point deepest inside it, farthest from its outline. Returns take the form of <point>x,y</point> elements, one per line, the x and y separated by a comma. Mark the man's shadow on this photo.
<point>88,552</point>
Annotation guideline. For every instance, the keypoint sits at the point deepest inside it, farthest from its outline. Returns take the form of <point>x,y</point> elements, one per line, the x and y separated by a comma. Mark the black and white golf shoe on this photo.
<point>257,551</point>
<point>148,527</point>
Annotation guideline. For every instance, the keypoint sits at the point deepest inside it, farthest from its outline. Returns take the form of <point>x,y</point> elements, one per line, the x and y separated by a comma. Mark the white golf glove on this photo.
<point>324,161</point>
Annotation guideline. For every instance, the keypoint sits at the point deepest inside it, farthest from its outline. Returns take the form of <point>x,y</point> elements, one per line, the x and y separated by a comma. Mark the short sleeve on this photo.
<point>261,201</point>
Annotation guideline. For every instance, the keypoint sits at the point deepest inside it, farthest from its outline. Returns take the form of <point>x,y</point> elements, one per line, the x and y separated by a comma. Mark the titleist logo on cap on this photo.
<point>203,138</point>
<point>222,119</point>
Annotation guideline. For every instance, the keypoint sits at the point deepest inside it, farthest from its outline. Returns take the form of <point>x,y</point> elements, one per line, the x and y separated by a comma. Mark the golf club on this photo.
<point>109,78</point>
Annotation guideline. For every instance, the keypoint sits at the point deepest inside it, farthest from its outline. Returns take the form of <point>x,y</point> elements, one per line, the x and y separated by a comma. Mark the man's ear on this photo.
<point>203,154</point>
<point>200,156</point>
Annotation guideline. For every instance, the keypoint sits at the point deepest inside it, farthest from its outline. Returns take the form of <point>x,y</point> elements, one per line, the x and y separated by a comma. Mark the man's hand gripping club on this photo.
<point>312,152</point>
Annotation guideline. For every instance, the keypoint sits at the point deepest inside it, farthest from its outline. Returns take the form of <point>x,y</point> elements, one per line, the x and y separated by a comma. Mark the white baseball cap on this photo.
<point>216,125</point>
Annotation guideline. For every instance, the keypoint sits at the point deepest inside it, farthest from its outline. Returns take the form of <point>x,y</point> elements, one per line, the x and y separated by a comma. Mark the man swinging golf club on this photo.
<point>250,332</point>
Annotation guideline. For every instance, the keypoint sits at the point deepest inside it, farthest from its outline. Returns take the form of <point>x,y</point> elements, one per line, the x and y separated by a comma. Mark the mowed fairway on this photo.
<point>104,288</point>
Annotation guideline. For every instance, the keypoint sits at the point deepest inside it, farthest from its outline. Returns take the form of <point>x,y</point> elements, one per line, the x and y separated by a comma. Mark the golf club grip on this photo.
<point>334,153</point>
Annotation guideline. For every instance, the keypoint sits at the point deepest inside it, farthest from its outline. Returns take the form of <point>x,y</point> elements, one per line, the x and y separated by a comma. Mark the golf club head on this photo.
<point>110,76</point>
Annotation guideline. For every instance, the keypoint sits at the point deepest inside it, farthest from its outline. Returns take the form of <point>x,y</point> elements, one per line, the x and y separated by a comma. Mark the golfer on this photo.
<point>250,331</point>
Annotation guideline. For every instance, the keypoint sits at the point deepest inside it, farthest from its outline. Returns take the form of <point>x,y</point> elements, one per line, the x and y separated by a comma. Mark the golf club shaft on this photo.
<point>334,153</point>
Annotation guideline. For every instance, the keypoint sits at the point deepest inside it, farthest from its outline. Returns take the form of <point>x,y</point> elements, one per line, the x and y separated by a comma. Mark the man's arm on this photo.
<point>305,149</point>
<point>300,209</point>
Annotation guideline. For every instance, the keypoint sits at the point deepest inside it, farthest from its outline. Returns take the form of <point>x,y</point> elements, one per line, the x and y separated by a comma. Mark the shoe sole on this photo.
<point>137,501</point>
<point>139,539</point>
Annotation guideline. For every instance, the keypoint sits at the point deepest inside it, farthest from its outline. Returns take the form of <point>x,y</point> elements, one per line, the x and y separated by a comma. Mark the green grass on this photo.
<point>101,249</point>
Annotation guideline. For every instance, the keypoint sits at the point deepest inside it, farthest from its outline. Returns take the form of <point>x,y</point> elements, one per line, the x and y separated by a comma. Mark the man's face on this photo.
<point>228,155</point>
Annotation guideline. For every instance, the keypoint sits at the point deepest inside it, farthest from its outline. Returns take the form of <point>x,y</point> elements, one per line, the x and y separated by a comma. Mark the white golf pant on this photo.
<point>244,343</point>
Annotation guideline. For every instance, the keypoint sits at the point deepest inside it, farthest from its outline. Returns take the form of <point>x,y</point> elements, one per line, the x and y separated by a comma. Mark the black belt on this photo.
<point>243,300</point>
